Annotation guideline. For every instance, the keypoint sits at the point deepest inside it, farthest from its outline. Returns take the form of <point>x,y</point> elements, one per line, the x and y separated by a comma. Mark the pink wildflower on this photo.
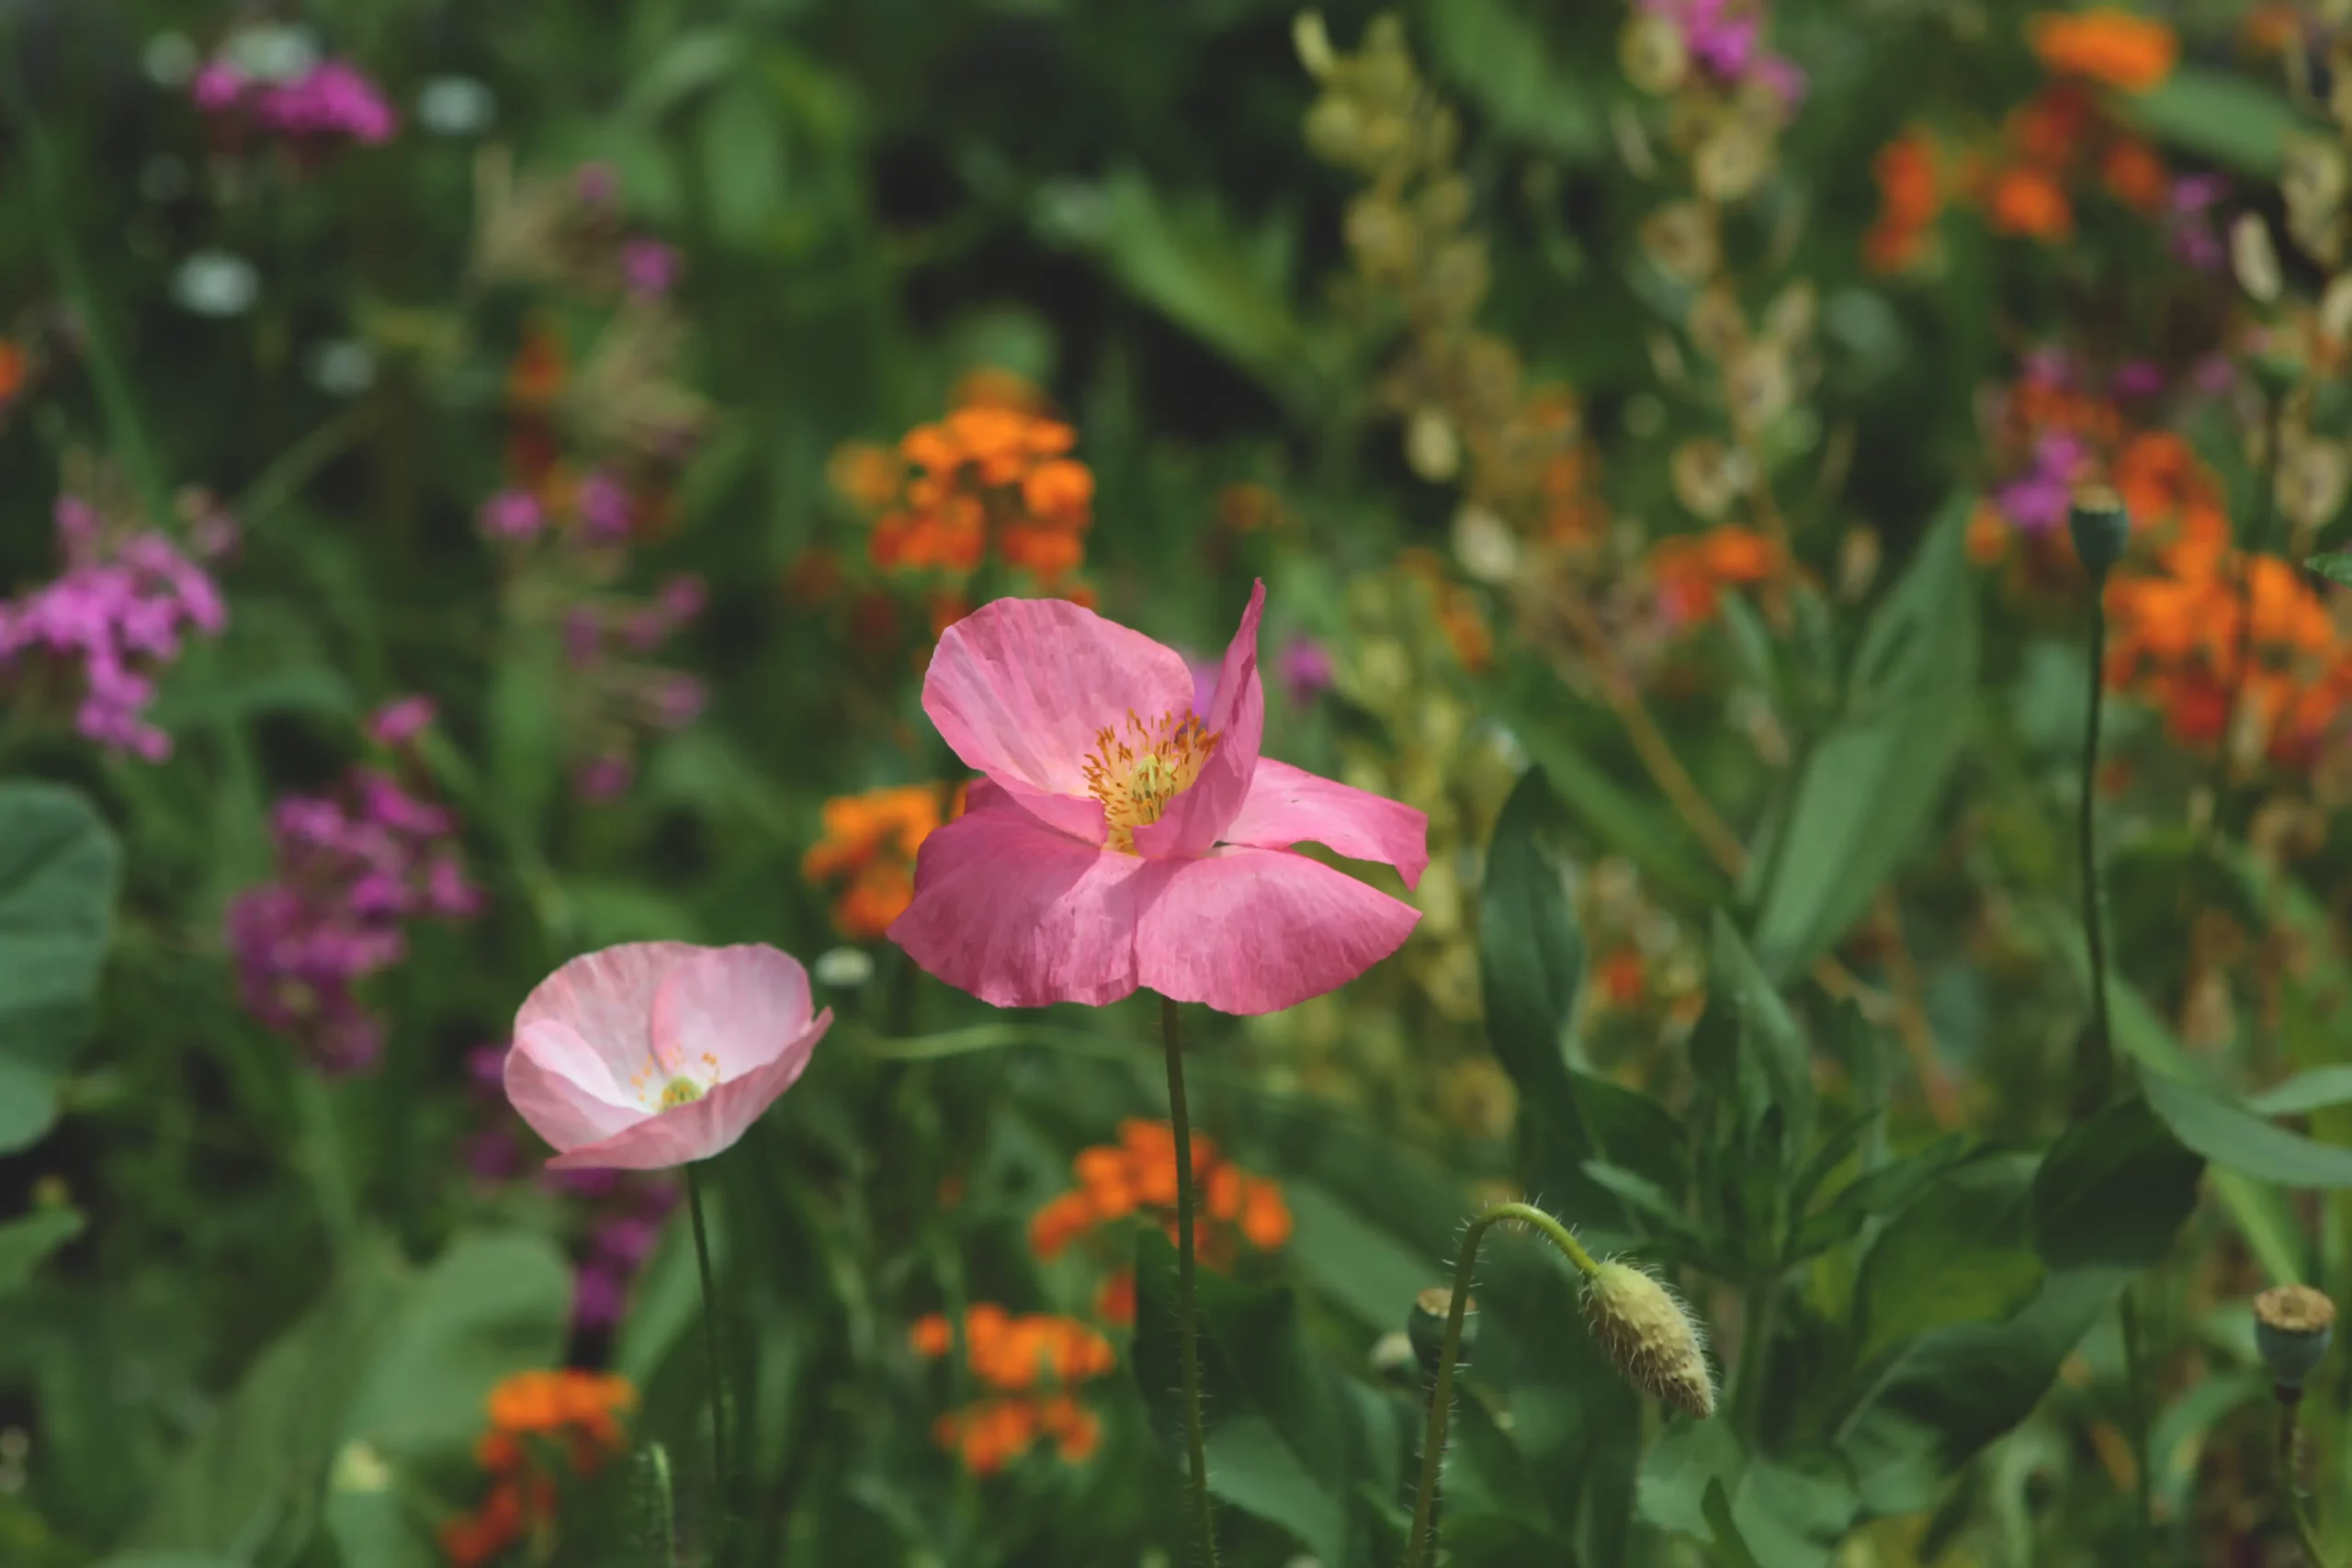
<point>1122,839</point>
<point>1305,667</point>
<point>333,101</point>
<point>400,721</point>
<point>353,869</point>
<point>511,514</point>
<point>649,268</point>
<point>655,1054</point>
<point>119,613</point>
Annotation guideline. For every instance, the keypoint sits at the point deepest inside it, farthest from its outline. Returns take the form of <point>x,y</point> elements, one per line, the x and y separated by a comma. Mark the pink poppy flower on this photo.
<point>654,1054</point>
<point>1122,839</point>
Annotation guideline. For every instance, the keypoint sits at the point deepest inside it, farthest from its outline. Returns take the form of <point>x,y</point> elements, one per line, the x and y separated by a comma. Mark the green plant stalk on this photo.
<point>720,1499</point>
<point>2135,1415</point>
<point>2098,1065</point>
<point>1187,1306</point>
<point>663,1552</point>
<point>1422,1544</point>
<point>124,428</point>
<point>2290,1490</point>
<point>324,1158</point>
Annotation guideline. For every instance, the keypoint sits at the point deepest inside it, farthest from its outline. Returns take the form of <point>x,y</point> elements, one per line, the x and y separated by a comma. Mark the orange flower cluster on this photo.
<point>1458,612</point>
<point>869,847</point>
<point>995,470</point>
<point>1692,571</point>
<point>2109,46</point>
<point>576,1413</point>
<point>1137,1175</point>
<point>2178,629</point>
<point>1011,1356</point>
<point>1910,196</point>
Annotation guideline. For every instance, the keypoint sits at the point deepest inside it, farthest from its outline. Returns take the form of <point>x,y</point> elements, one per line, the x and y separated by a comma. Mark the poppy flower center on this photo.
<point>661,1085</point>
<point>1137,771</point>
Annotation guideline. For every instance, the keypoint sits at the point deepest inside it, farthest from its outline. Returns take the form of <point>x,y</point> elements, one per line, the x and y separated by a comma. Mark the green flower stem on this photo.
<point>721,1498</point>
<point>1423,1542</point>
<point>2291,1490</point>
<point>1187,1307</point>
<point>2098,1051</point>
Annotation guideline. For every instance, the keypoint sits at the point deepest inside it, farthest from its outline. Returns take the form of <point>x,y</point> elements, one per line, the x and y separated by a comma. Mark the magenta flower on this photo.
<point>400,721</point>
<point>511,514</point>
<point>656,1054</point>
<point>649,268</point>
<point>1305,667</point>
<point>2037,500</point>
<point>1121,838</point>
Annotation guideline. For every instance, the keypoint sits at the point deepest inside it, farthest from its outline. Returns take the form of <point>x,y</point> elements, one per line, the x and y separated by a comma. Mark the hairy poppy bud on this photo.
<point>1650,1336</point>
<point>2292,1327</point>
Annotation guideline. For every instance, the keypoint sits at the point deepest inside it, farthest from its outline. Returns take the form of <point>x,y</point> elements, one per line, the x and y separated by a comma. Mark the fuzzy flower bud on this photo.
<point>2292,1327</point>
<point>1651,1336</point>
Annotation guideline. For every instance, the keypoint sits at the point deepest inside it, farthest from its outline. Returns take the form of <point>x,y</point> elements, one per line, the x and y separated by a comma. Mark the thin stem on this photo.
<point>324,1158</point>
<point>1423,1541</point>
<point>1755,1334</point>
<point>1187,1308</point>
<point>717,1368</point>
<point>2099,1055</point>
<point>2289,1484</point>
<point>2136,1411</point>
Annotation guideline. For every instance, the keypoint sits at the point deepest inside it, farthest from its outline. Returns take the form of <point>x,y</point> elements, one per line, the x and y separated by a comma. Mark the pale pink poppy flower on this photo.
<point>654,1054</point>
<point>1122,839</point>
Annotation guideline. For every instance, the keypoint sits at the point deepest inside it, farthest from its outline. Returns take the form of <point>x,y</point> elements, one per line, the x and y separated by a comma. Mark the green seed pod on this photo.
<point>1651,1336</point>
<point>2292,1327</point>
<point>1426,1328</point>
<point>2100,526</point>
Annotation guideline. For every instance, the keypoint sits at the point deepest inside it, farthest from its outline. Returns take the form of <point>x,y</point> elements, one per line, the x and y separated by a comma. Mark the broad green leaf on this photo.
<point>2335,565</point>
<point>1253,1468</point>
<point>1962,1253</point>
<point>742,140</point>
<point>526,731</point>
<point>1747,1045</point>
<point>1792,1513</point>
<point>184,706</point>
<point>2229,1135</point>
<point>1869,788</point>
<point>1353,1262</point>
<point>694,60</point>
<point>2218,115</point>
<point>251,1484</point>
<point>2107,1200</point>
<point>491,1304</point>
<point>2305,1092</point>
<point>26,1242</point>
<point>370,1522</point>
<point>58,871</point>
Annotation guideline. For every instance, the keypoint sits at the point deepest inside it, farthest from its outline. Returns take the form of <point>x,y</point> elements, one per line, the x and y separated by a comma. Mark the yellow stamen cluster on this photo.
<point>1137,773</point>
<point>660,1086</point>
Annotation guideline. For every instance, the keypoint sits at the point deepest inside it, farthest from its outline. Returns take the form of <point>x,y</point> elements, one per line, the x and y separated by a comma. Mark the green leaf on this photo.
<point>1962,1253</point>
<point>2218,115</point>
<point>172,1560</point>
<point>1186,260</point>
<point>1500,59</point>
<point>184,706</point>
<point>1529,700</point>
<point>371,1524</point>
<point>26,1242</point>
<point>2335,565</point>
<point>526,721</point>
<point>2107,1202</point>
<point>491,1304</point>
<point>251,1484</point>
<point>1747,1045</point>
<point>1531,955</point>
<point>1350,1260</point>
<point>2230,1135</point>
<point>2316,1090</point>
<point>1253,1468</point>
<point>1869,788</point>
<point>58,872</point>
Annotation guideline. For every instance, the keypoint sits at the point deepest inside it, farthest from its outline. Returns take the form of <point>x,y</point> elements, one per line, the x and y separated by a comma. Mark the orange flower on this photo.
<point>1138,1173</point>
<point>1115,1301</point>
<point>1059,490</point>
<point>1624,977</point>
<point>576,1412</point>
<point>1265,1218</point>
<point>14,369</point>
<point>1691,571</point>
<point>2050,127</point>
<point>536,376</point>
<point>2028,201</point>
<point>869,844</point>
<point>1909,200</point>
<point>2135,175</point>
<point>930,1336</point>
<point>865,474</point>
<point>2109,46</point>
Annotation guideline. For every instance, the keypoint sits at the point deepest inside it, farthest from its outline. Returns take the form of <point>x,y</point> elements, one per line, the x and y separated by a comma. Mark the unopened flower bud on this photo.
<point>1426,1328</point>
<point>1651,1336</point>
<point>2292,1327</point>
<point>2100,526</point>
<point>2254,259</point>
<point>1313,43</point>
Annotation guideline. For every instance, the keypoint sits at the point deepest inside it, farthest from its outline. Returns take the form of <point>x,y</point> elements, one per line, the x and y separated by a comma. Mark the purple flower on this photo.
<point>400,720</point>
<point>353,868</point>
<point>605,777</point>
<point>1305,669</point>
<point>2192,231</point>
<point>511,514</point>
<point>119,613</point>
<point>649,268</point>
<point>2037,500</point>
<point>596,185</point>
<point>603,507</point>
<point>2139,378</point>
<point>599,1295</point>
<point>332,102</point>
<point>678,701</point>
